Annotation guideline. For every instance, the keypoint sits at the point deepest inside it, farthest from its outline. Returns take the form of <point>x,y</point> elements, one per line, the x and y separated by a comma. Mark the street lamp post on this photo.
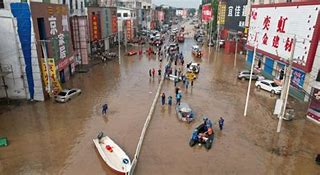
<point>250,79</point>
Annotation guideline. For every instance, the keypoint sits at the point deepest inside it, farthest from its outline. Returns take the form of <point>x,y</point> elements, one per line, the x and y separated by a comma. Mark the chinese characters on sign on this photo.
<point>53,25</point>
<point>62,47</point>
<point>114,24</point>
<point>58,20</point>
<point>235,15</point>
<point>274,28</point>
<point>206,13</point>
<point>221,13</point>
<point>56,87</point>
<point>129,29</point>
<point>95,29</point>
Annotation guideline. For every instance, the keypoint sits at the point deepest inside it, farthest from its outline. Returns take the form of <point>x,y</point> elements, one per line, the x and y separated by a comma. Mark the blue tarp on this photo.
<point>22,12</point>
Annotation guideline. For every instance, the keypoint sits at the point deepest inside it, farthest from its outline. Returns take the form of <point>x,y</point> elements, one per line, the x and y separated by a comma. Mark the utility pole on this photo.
<point>119,43</point>
<point>250,79</point>
<point>286,86</point>
<point>236,52</point>
<point>218,30</point>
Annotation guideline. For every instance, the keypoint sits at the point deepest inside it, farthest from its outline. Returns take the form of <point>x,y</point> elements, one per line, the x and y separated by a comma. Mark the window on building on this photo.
<point>76,4</point>
<point>71,4</point>
<point>42,33</point>
<point>289,0</point>
<point>118,14</point>
<point>318,76</point>
<point>125,14</point>
<point>1,4</point>
<point>63,1</point>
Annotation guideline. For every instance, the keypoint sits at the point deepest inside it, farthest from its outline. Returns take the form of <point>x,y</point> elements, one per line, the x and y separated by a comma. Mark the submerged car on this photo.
<point>269,85</point>
<point>196,51</point>
<point>245,75</point>
<point>195,138</point>
<point>173,77</point>
<point>184,112</point>
<point>66,95</point>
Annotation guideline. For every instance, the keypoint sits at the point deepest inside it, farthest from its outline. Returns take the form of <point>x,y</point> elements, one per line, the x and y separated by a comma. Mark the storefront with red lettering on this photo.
<point>273,28</point>
<point>51,26</point>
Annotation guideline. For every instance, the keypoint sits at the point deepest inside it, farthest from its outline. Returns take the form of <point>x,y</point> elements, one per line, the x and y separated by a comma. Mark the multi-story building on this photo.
<point>20,71</point>
<point>135,10</point>
<point>78,12</point>
<point>274,35</point>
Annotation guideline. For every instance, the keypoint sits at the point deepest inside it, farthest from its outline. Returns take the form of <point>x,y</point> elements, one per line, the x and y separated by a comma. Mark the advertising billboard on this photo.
<point>314,106</point>
<point>206,12</point>
<point>160,15</point>
<point>114,24</point>
<point>129,29</point>
<point>273,29</point>
<point>235,15</point>
<point>221,13</point>
<point>95,28</point>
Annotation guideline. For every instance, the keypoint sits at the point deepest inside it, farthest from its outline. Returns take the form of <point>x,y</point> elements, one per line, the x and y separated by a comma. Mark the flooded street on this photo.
<point>52,138</point>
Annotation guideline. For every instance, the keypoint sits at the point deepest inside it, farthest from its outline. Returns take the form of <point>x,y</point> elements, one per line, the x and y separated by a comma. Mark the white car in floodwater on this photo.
<point>66,95</point>
<point>269,85</point>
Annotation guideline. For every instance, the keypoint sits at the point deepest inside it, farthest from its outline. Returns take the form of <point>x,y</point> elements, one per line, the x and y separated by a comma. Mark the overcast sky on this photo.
<point>179,3</point>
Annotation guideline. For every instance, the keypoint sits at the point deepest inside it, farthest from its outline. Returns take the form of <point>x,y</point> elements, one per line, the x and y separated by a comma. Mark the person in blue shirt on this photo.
<point>221,123</point>
<point>170,100</point>
<point>104,109</point>
<point>207,123</point>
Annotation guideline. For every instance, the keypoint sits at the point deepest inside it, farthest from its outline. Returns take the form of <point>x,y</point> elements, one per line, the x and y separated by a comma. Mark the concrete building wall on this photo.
<point>11,55</point>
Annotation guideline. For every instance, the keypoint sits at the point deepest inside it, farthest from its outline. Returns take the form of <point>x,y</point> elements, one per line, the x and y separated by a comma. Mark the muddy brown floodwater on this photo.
<point>51,138</point>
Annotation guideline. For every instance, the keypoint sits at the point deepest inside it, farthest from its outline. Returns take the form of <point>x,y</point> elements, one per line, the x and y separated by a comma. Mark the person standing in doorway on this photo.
<point>221,123</point>
<point>163,98</point>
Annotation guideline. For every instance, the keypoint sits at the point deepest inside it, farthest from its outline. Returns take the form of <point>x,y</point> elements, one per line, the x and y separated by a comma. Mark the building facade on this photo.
<point>19,66</point>
<point>274,35</point>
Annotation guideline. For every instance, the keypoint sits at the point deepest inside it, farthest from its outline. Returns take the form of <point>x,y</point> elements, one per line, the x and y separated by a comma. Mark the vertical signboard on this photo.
<point>206,12</point>
<point>56,87</point>
<point>222,13</point>
<point>95,27</point>
<point>129,29</point>
<point>274,28</point>
<point>114,24</point>
<point>235,15</point>
<point>59,39</point>
<point>314,106</point>
<point>160,15</point>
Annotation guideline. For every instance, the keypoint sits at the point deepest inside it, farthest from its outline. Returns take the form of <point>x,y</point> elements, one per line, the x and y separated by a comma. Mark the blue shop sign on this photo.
<point>297,78</point>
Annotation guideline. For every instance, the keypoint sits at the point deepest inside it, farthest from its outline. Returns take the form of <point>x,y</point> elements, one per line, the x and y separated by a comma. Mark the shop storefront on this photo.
<point>314,106</point>
<point>272,34</point>
<point>51,27</point>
